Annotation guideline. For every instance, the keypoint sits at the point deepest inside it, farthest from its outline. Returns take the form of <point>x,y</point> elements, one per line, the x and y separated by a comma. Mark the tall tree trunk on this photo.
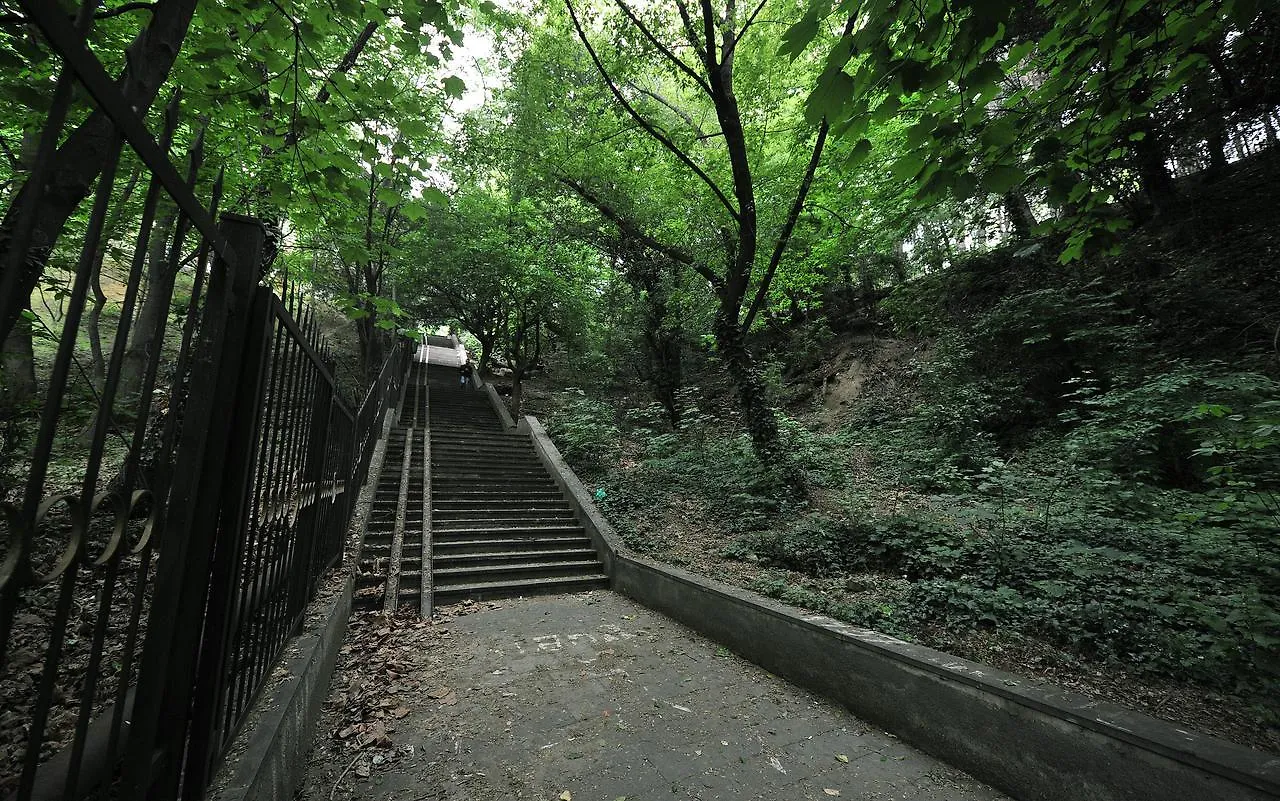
<point>1020,214</point>
<point>18,365</point>
<point>1151,160</point>
<point>1270,128</point>
<point>155,307</point>
<point>98,365</point>
<point>749,392</point>
<point>79,159</point>
<point>517,390</point>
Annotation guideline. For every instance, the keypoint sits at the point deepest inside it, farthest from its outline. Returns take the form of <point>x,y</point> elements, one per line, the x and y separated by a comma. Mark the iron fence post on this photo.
<point>207,723</point>
<point>165,682</point>
<point>313,472</point>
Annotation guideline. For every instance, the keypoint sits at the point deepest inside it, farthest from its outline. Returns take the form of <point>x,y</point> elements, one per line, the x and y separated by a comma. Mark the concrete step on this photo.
<point>514,529</point>
<point>445,471</point>
<point>380,549</point>
<point>525,568</point>
<point>485,590</point>
<point>482,543</point>
<point>486,457</point>
<point>490,513</point>
<point>503,502</point>
<point>439,523</point>
<point>496,484</point>
<point>483,497</point>
<point>447,435</point>
<point>484,453</point>
<point>443,561</point>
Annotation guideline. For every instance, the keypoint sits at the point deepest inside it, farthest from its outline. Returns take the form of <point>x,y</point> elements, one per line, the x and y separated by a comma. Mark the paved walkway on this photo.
<point>590,697</point>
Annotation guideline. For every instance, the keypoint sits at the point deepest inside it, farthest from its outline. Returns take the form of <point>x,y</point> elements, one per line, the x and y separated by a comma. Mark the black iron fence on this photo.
<point>167,518</point>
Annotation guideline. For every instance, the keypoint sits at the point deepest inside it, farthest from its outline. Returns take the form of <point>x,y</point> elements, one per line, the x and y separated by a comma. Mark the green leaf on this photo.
<point>454,86</point>
<point>434,197</point>
<point>907,167</point>
<point>834,90</point>
<point>388,196</point>
<point>1001,178</point>
<point>798,36</point>
<point>859,153</point>
<point>999,134</point>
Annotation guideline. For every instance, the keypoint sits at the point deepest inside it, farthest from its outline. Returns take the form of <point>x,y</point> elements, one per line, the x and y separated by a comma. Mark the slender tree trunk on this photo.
<point>160,283</point>
<point>18,365</point>
<point>1269,128</point>
<point>98,365</point>
<point>79,159</point>
<point>753,401</point>
<point>1151,160</point>
<point>517,390</point>
<point>1020,214</point>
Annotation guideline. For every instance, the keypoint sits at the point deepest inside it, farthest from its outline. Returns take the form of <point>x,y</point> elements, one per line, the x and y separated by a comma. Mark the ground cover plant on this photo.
<point>1051,468</point>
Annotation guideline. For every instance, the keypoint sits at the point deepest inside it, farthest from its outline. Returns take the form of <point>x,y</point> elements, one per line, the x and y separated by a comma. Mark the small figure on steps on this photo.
<point>464,372</point>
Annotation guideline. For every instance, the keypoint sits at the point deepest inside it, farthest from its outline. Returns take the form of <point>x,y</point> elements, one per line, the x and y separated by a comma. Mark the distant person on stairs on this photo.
<point>464,372</point>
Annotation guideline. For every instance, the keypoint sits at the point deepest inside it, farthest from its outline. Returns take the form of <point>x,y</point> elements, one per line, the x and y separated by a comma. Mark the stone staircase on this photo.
<point>390,572</point>
<point>499,524</point>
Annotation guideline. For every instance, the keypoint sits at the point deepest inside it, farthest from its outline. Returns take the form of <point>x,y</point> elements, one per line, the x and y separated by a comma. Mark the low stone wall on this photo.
<point>1026,737</point>
<point>269,757</point>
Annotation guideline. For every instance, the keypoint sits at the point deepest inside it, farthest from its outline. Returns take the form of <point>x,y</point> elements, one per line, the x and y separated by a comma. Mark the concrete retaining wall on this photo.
<point>1033,740</point>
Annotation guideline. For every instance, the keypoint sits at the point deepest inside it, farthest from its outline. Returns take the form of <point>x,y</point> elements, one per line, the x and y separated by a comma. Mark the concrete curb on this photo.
<point>1026,737</point>
<point>271,753</point>
<point>495,401</point>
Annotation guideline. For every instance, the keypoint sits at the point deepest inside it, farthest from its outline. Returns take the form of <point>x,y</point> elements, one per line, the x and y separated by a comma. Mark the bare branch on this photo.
<point>629,228</point>
<point>18,19</point>
<point>690,31</point>
<point>709,35</point>
<point>662,48</point>
<point>645,124</point>
<point>762,291</point>
<point>348,61</point>
<point>750,21</point>
<point>681,113</point>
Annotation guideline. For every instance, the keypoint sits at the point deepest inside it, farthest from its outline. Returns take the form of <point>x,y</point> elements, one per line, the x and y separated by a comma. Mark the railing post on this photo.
<point>208,720</point>
<point>165,680</point>
<point>305,554</point>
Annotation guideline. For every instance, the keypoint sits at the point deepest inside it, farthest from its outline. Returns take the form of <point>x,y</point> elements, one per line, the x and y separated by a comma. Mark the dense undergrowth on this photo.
<point>1084,455</point>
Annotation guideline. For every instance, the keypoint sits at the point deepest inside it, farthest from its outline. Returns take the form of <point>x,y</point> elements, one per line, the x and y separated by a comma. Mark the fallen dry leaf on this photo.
<point>830,792</point>
<point>439,692</point>
<point>842,758</point>
<point>399,712</point>
<point>566,796</point>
